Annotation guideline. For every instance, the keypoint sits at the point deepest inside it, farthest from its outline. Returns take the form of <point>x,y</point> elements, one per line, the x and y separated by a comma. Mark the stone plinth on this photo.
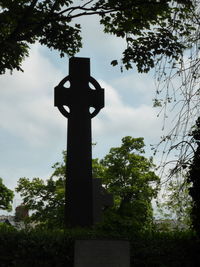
<point>102,253</point>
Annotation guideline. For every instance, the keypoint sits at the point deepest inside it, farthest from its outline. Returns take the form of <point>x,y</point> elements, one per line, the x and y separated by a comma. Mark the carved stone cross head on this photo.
<point>79,95</point>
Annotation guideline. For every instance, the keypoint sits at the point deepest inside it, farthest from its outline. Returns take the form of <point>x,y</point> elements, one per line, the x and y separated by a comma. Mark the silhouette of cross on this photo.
<point>79,97</point>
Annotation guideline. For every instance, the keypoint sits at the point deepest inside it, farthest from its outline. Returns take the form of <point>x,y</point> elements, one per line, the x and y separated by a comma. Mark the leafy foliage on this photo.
<point>183,198</point>
<point>6,197</point>
<point>177,202</point>
<point>150,28</point>
<point>125,173</point>
<point>45,199</point>
<point>56,248</point>
<point>25,22</point>
<point>129,176</point>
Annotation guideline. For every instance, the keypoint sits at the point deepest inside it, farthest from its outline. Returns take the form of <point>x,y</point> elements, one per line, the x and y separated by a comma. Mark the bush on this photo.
<point>35,248</point>
<point>44,248</point>
<point>166,249</point>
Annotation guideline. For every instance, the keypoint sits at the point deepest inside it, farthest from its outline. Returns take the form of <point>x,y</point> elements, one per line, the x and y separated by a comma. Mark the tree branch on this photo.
<point>94,10</point>
<point>182,142</point>
<point>92,13</point>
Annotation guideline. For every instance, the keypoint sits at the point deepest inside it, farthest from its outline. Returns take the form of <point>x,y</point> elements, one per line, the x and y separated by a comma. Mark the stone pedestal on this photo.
<point>102,253</point>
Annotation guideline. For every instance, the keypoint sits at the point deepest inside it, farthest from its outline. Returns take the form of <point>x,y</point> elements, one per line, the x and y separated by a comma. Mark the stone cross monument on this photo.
<point>85,197</point>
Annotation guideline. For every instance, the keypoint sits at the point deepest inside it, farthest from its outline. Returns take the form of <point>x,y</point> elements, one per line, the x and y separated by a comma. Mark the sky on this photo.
<point>33,133</point>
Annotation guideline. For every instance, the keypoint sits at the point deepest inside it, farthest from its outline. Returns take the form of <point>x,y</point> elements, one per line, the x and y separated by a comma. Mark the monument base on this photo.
<point>102,253</point>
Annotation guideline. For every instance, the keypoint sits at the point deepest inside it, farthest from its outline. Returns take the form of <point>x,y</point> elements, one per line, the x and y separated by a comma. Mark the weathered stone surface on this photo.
<point>102,253</point>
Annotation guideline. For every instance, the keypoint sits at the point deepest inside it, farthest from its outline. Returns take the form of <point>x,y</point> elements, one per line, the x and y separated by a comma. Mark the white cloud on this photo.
<point>26,103</point>
<point>118,118</point>
<point>102,48</point>
<point>33,132</point>
<point>27,111</point>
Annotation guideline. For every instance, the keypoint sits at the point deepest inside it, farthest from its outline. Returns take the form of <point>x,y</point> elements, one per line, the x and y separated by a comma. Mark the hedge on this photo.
<point>43,248</point>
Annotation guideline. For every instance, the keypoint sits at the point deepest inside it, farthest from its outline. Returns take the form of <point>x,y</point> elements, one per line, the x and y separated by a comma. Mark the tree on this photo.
<point>183,193</point>
<point>177,94</point>
<point>176,202</point>
<point>194,179</point>
<point>46,200</point>
<point>6,197</point>
<point>151,28</point>
<point>125,173</point>
<point>156,32</point>
<point>129,176</point>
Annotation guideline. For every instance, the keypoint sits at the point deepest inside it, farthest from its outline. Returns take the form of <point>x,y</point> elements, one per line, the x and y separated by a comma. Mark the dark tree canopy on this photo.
<point>130,177</point>
<point>125,172</point>
<point>151,28</point>
<point>193,177</point>
<point>6,197</point>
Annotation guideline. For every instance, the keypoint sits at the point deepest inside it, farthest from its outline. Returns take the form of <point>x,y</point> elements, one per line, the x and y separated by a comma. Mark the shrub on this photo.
<point>44,248</point>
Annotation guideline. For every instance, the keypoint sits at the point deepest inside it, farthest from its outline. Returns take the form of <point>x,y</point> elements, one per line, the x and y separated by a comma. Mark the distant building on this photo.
<point>169,224</point>
<point>21,213</point>
<point>10,220</point>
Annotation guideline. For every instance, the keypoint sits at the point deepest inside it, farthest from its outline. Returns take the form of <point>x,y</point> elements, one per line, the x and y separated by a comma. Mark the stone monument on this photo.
<point>102,253</point>
<point>85,196</point>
